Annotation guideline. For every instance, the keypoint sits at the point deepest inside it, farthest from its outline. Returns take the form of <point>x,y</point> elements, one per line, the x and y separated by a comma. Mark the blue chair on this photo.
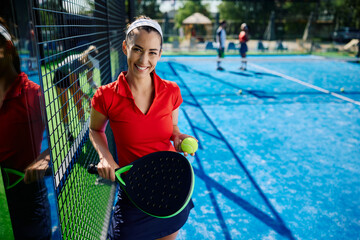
<point>261,47</point>
<point>280,47</point>
<point>209,46</point>
<point>231,46</point>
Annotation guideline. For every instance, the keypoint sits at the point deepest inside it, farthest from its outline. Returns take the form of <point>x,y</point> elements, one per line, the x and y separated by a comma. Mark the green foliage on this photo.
<point>6,231</point>
<point>347,13</point>
<point>149,8</point>
<point>255,13</point>
<point>231,10</point>
<point>290,16</point>
<point>188,9</point>
<point>299,10</point>
<point>246,10</point>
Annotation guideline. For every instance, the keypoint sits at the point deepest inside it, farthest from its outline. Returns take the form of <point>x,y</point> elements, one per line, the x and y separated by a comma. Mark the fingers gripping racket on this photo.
<point>159,184</point>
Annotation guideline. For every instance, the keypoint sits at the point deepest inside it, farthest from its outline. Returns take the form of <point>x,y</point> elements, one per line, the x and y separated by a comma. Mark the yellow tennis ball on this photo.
<point>342,89</point>
<point>189,145</point>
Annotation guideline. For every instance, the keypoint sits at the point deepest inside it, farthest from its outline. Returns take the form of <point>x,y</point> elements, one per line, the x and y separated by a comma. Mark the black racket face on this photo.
<point>159,183</point>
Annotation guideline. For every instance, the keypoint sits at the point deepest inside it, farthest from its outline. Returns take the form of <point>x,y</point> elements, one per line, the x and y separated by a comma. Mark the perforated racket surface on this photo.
<point>160,184</point>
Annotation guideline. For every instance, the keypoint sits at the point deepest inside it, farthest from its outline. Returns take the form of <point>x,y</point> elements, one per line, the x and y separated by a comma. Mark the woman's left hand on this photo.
<point>36,171</point>
<point>177,143</point>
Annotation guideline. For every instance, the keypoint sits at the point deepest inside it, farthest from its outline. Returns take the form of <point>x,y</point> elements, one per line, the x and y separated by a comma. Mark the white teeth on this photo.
<point>141,68</point>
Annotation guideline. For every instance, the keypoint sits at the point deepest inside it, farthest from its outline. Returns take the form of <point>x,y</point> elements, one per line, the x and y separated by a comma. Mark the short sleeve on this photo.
<point>98,102</point>
<point>177,97</point>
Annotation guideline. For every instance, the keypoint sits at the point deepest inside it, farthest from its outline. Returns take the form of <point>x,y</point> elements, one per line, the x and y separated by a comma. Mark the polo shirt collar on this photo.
<point>16,87</point>
<point>123,88</point>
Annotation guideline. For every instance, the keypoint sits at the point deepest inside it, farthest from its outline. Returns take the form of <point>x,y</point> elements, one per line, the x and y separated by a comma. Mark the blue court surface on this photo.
<point>279,153</point>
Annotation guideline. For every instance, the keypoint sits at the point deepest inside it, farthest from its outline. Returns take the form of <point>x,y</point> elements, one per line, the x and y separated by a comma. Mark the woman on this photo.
<point>21,134</point>
<point>143,113</point>
<point>67,77</point>
<point>243,38</point>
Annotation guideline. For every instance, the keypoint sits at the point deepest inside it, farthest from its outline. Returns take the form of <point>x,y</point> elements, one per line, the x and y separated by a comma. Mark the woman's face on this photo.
<point>142,51</point>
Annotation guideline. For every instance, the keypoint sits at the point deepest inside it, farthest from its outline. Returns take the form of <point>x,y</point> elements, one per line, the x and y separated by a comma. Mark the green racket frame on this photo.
<point>21,176</point>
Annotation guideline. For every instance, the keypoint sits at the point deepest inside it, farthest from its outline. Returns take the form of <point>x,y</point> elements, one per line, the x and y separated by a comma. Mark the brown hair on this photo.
<point>9,47</point>
<point>148,29</point>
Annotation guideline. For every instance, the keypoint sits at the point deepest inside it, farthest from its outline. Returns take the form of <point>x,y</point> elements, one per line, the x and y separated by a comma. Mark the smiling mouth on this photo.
<point>141,68</point>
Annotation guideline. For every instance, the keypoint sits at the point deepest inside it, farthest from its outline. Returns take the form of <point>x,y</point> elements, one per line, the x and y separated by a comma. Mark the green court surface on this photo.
<point>83,201</point>
<point>5,221</point>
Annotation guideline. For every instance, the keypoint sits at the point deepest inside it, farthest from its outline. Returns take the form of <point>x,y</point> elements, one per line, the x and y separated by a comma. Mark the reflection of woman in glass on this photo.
<point>21,134</point>
<point>67,77</point>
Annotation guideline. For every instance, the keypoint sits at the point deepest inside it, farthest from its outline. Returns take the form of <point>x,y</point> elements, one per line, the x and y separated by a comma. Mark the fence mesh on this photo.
<point>79,49</point>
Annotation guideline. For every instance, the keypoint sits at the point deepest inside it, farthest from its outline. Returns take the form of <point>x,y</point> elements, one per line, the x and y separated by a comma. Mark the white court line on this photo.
<point>306,84</point>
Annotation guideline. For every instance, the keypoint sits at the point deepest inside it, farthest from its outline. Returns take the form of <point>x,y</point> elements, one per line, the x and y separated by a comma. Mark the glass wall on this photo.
<point>67,49</point>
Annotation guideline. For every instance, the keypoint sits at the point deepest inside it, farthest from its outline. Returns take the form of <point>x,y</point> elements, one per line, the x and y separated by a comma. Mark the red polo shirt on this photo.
<point>243,37</point>
<point>21,125</point>
<point>137,134</point>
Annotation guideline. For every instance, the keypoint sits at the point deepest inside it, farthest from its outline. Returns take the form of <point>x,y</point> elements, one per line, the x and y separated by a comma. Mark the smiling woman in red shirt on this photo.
<point>142,110</point>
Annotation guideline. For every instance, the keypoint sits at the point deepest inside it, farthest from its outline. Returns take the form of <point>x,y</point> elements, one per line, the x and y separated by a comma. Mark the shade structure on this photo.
<point>307,31</point>
<point>270,29</point>
<point>197,18</point>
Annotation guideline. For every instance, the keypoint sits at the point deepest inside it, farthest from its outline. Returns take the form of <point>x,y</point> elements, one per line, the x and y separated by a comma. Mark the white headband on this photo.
<point>145,22</point>
<point>5,33</point>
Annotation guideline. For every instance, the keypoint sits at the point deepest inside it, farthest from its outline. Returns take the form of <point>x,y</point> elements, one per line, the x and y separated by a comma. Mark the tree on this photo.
<point>188,9</point>
<point>255,13</point>
<point>149,8</point>
<point>347,13</point>
<point>231,10</point>
<point>291,16</point>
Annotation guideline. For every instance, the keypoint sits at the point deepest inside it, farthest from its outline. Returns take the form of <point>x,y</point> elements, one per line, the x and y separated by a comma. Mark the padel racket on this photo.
<point>19,176</point>
<point>160,184</point>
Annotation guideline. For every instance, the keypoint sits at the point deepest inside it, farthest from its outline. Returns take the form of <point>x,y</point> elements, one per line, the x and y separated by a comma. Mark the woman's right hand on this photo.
<point>106,168</point>
<point>107,165</point>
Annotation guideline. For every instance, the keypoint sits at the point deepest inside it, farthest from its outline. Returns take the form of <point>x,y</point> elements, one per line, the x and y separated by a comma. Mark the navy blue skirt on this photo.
<point>128,222</point>
<point>243,48</point>
<point>30,211</point>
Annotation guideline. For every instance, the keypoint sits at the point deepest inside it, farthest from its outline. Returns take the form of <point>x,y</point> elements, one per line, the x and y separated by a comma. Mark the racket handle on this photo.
<point>92,169</point>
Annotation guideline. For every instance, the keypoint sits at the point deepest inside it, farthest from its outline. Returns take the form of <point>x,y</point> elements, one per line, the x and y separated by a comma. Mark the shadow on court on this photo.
<point>249,73</point>
<point>275,222</point>
<point>256,93</point>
